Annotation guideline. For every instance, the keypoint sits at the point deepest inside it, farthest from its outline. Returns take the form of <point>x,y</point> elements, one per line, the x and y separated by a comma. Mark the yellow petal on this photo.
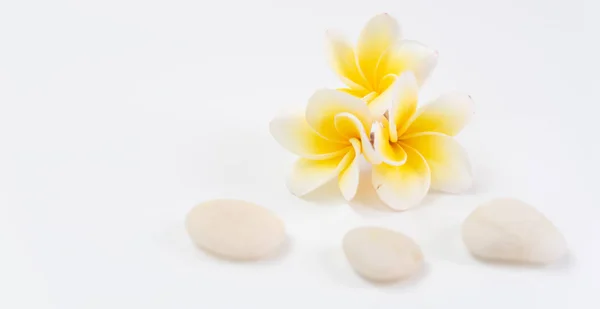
<point>325,104</point>
<point>343,61</point>
<point>387,81</point>
<point>390,153</point>
<point>405,96</point>
<point>405,56</point>
<point>308,175</point>
<point>370,97</point>
<point>350,126</point>
<point>448,115</point>
<point>402,187</point>
<point>448,161</point>
<point>348,179</point>
<point>294,134</point>
<point>357,92</point>
<point>381,103</point>
<point>381,32</point>
<point>370,154</point>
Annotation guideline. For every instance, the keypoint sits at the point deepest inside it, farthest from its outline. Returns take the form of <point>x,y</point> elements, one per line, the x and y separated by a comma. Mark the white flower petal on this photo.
<point>325,104</point>
<point>369,97</point>
<point>381,103</point>
<point>350,127</point>
<point>407,56</point>
<point>448,161</point>
<point>381,32</point>
<point>293,133</point>
<point>404,103</point>
<point>357,92</point>
<point>402,187</point>
<point>390,153</point>
<point>343,61</point>
<point>400,99</point>
<point>308,175</point>
<point>448,115</point>
<point>349,177</point>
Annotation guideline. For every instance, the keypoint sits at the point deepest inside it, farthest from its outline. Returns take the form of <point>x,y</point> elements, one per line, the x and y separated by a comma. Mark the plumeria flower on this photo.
<point>417,146</point>
<point>380,55</point>
<point>329,138</point>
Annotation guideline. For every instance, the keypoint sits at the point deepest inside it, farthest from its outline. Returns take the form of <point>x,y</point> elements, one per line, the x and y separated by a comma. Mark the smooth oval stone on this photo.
<point>382,255</point>
<point>510,230</point>
<point>235,229</point>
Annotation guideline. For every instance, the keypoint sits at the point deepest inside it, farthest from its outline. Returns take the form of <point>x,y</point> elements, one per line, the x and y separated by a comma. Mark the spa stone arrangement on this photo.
<point>411,148</point>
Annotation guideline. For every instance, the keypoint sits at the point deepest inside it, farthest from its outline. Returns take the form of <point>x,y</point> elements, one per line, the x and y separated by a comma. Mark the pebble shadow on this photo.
<point>275,258</point>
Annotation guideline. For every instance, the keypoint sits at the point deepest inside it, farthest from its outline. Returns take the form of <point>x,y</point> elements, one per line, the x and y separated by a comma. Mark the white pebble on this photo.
<point>234,229</point>
<point>382,255</point>
<point>510,230</point>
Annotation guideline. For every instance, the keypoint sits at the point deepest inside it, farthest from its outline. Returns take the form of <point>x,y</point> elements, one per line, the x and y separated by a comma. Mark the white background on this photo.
<point>117,117</point>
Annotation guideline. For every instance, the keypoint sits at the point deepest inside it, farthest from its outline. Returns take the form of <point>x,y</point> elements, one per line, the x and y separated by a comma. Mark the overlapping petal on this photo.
<point>348,179</point>
<point>382,102</point>
<point>447,160</point>
<point>325,104</point>
<point>293,133</point>
<point>357,92</point>
<point>390,153</point>
<point>351,127</point>
<point>402,187</point>
<point>447,115</point>
<point>405,56</point>
<point>343,62</point>
<point>381,32</point>
<point>404,104</point>
<point>307,175</point>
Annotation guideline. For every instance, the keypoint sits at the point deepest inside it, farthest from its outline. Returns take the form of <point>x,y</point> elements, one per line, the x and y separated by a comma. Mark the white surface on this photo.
<point>116,117</point>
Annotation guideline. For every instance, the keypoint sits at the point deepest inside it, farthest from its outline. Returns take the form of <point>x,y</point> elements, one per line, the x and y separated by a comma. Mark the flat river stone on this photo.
<point>235,229</point>
<point>382,255</point>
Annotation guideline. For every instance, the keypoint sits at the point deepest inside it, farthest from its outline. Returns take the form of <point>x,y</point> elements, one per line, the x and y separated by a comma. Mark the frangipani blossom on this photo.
<point>380,55</point>
<point>417,146</point>
<point>329,138</point>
